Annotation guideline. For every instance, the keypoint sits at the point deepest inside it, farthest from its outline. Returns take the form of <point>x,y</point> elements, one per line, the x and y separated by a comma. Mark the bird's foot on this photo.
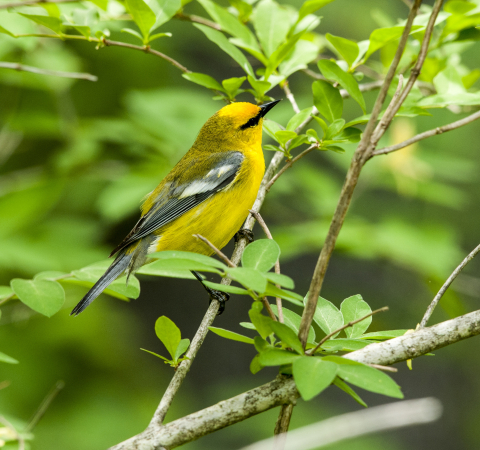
<point>244,233</point>
<point>220,296</point>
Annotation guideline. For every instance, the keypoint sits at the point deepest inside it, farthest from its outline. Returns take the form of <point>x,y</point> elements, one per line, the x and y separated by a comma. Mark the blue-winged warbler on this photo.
<point>209,192</point>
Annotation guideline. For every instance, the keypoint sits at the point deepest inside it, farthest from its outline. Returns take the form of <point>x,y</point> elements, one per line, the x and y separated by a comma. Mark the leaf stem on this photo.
<point>220,254</point>
<point>349,324</point>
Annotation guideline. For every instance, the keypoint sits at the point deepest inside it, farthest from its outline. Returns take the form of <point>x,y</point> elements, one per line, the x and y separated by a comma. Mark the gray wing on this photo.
<point>183,198</point>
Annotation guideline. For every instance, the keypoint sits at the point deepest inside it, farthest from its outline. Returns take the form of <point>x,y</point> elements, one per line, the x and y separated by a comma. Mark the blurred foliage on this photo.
<point>76,158</point>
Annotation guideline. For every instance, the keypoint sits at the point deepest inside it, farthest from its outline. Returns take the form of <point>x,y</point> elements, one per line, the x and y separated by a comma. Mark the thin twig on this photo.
<point>447,284</point>
<point>109,43</point>
<point>414,73</point>
<point>46,402</point>
<point>290,97</point>
<point>277,262</point>
<point>55,73</point>
<point>197,19</point>
<point>348,325</point>
<point>348,188</point>
<point>281,427</point>
<point>358,423</point>
<point>222,255</point>
<point>33,2</point>
<point>290,164</point>
<point>427,134</point>
<point>18,437</point>
<point>269,309</point>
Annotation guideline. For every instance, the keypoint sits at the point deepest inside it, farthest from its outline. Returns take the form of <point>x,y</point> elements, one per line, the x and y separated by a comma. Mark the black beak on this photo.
<point>267,107</point>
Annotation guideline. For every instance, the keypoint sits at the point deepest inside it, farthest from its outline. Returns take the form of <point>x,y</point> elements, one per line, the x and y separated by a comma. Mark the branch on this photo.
<point>197,19</point>
<point>290,97</point>
<point>349,324</point>
<point>447,284</point>
<point>289,164</point>
<point>427,134</point>
<point>262,223</point>
<point>222,255</point>
<point>349,185</point>
<point>282,390</point>
<point>55,73</point>
<point>109,43</point>
<point>33,2</point>
<point>360,423</point>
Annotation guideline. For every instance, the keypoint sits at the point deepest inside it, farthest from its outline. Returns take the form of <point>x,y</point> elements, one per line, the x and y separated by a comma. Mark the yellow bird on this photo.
<point>208,192</point>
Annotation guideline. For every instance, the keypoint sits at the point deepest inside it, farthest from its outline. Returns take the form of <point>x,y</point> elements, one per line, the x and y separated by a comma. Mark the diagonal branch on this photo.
<point>447,284</point>
<point>283,390</point>
<point>349,185</point>
<point>55,73</point>
<point>427,134</point>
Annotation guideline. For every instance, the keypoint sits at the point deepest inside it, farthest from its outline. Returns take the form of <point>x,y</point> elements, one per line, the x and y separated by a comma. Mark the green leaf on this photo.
<point>272,23</point>
<point>168,333</point>
<point>150,269</point>
<point>298,119</point>
<point>142,15</point>
<point>132,32</point>
<point>203,80</point>
<point>331,71</point>
<point>292,297</point>
<point>259,86</point>
<point>175,264</point>
<point>232,85</point>
<point>255,365</point>
<point>168,9</point>
<point>327,316</point>
<point>5,291</point>
<point>335,148</point>
<point>82,29</point>
<point>158,36</point>
<point>350,134</point>
<point>229,23</point>
<point>190,256</point>
<point>281,53</point>
<point>287,336</point>
<point>5,31</point>
<point>345,345</point>
<point>52,23</point>
<point>43,296</point>
<point>7,359</point>
<point>303,53</point>
<point>383,335</point>
<point>277,357</point>
<point>335,127</point>
<point>261,255</point>
<point>182,348</point>
<point>281,279</point>
<point>382,36</point>
<point>353,308</point>
<point>248,325</point>
<point>49,275</point>
<point>327,100</point>
<point>261,322</point>
<point>322,124</point>
<point>231,335</point>
<point>292,320</point>
<point>272,148</point>
<point>218,38</point>
<point>250,278</point>
<point>270,127</point>
<point>365,377</point>
<point>346,388</point>
<point>310,6</point>
<point>313,375</point>
<point>283,136</point>
<point>347,49</point>
<point>100,3</point>
<point>225,288</point>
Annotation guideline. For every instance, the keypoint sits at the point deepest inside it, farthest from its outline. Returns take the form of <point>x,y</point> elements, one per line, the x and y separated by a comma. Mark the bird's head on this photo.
<point>239,122</point>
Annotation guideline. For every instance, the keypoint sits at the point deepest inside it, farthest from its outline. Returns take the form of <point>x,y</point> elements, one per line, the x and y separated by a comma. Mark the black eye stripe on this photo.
<point>253,122</point>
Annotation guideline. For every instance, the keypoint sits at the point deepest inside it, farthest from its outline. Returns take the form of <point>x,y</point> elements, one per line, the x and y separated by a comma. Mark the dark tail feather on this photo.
<point>118,266</point>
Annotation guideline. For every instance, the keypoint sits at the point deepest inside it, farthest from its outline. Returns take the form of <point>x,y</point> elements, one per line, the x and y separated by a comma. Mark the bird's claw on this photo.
<point>221,297</point>
<point>244,233</point>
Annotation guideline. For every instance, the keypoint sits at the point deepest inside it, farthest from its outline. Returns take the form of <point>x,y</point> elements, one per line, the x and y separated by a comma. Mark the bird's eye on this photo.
<point>253,122</point>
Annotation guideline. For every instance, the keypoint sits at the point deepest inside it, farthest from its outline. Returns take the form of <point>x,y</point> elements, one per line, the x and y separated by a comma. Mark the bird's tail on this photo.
<point>119,265</point>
